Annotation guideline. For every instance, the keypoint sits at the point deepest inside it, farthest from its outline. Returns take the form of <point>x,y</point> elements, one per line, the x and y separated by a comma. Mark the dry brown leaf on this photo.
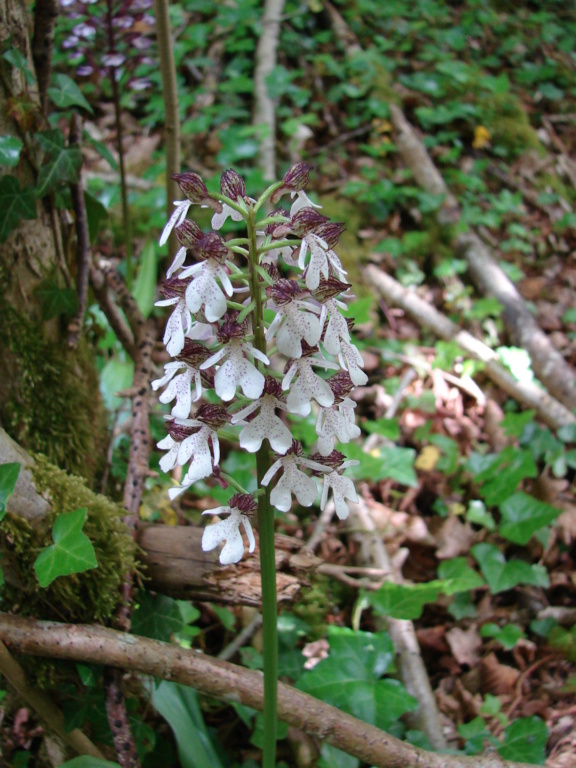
<point>465,644</point>
<point>497,679</point>
<point>454,538</point>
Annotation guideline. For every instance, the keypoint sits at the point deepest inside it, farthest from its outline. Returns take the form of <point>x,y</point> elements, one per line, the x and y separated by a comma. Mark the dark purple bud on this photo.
<point>330,232</point>
<point>295,179</point>
<point>272,270</point>
<point>195,190</point>
<point>230,328</point>
<point>350,322</point>
<point>341,384</point>
<point>244,503</point>
<point>188,233</point>
<point>174,287</point>
<point>194,353</point>
<point>179,432</point>
<point>283,291</point>
<point>273,387</point>
<point>279,213</point>
<point>334,461</point>
<point>329,288</point>
<point>211,246</point>
<point>232,185</point>
<point>296,448</point>
<point>214,416</point>
<point>192,185</point>
<point>306,220</point>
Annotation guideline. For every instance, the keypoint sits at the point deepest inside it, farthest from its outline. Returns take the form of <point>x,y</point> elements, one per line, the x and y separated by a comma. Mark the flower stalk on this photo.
<point>220,341</point>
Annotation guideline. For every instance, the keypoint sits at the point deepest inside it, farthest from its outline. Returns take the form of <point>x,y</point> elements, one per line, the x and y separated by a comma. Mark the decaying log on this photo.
<point>175,565</point>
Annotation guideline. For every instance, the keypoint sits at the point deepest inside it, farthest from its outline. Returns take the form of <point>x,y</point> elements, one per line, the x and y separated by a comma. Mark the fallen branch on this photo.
<point>548,364</point>
<point>229,682</point>
<point>549,410</point>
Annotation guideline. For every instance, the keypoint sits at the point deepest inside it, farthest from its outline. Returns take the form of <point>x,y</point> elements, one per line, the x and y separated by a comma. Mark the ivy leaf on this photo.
<point>523,515</point>
<point>525,741</point>
<point>10,148</point>
<point>502,575</point>
<point>72,551</point>
<point>458,576</point>
<point>507,636</point>
<point>17,59</point>
<point>63,162</point>
<point>15,204</point>
<point>56,301</point>
<point>8,477</point>
<point>403,601</point>
<point>387,462</point>
<point>67,94</point>
<point>157,616</point>
<point>348,678</point>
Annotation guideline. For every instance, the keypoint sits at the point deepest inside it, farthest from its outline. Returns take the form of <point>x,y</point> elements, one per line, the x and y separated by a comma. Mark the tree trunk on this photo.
<point>49,397</point>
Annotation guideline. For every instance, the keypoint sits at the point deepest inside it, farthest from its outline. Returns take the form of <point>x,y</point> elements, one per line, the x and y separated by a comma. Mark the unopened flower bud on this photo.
<point>214,416</point>
<point>329,288</point>
<point>194,353</point>
<point>211,246</point>
<point>279,213</point>
<point>245,502</point>
<point>330,232</point>
<point>188,233</point>
<point>295,179</point>
<point>306,220</point>
<point>341,384</point>
<point>192,185</point>
<point>230,328</point>
<point>232,185</point>
<point>283,291</point>
<point>174,287</point>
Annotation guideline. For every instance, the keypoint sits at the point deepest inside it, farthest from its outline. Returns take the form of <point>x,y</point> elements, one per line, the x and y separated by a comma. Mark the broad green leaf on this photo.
<point>507,636</point>
<point>387,428</point>
<point>501,574</point>
<point>116,376</point>
<point>513,423</point>
<point>67,94</point>
<point>525,741</point>
<point>180,707</point>
<point>156,616</point>
<point>567,433</point>
<point>348,678</point>
<point>17,59</point>
<point>458,576</point>
<point>8,477</point>
<point>403,601</point>
<point>335,758</point>
<point>145,284</point>
<point>386,462</point>
<point>500,473</point>
<point>102,150</point>
<point>96,214</point>
<point>477,513</point>
<point>63,163</point>
<point>72,551</point>
<point>56,301</point>
<point>85,761</point>
<point>15,204</point>
<point>523,515</point>
<point>10,148</point>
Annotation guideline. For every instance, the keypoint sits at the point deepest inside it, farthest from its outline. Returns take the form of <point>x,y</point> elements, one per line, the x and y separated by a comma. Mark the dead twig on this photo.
<point>549,409</point>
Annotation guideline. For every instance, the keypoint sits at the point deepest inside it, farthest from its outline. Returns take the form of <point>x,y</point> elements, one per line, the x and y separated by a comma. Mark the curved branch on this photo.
<point>228,682</point>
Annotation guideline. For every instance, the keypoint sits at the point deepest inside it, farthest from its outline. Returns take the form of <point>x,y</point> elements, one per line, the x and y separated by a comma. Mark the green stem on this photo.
<point>266,534</point>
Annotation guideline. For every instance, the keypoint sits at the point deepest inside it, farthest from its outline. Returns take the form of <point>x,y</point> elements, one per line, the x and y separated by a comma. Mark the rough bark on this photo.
<point>37,366</point>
